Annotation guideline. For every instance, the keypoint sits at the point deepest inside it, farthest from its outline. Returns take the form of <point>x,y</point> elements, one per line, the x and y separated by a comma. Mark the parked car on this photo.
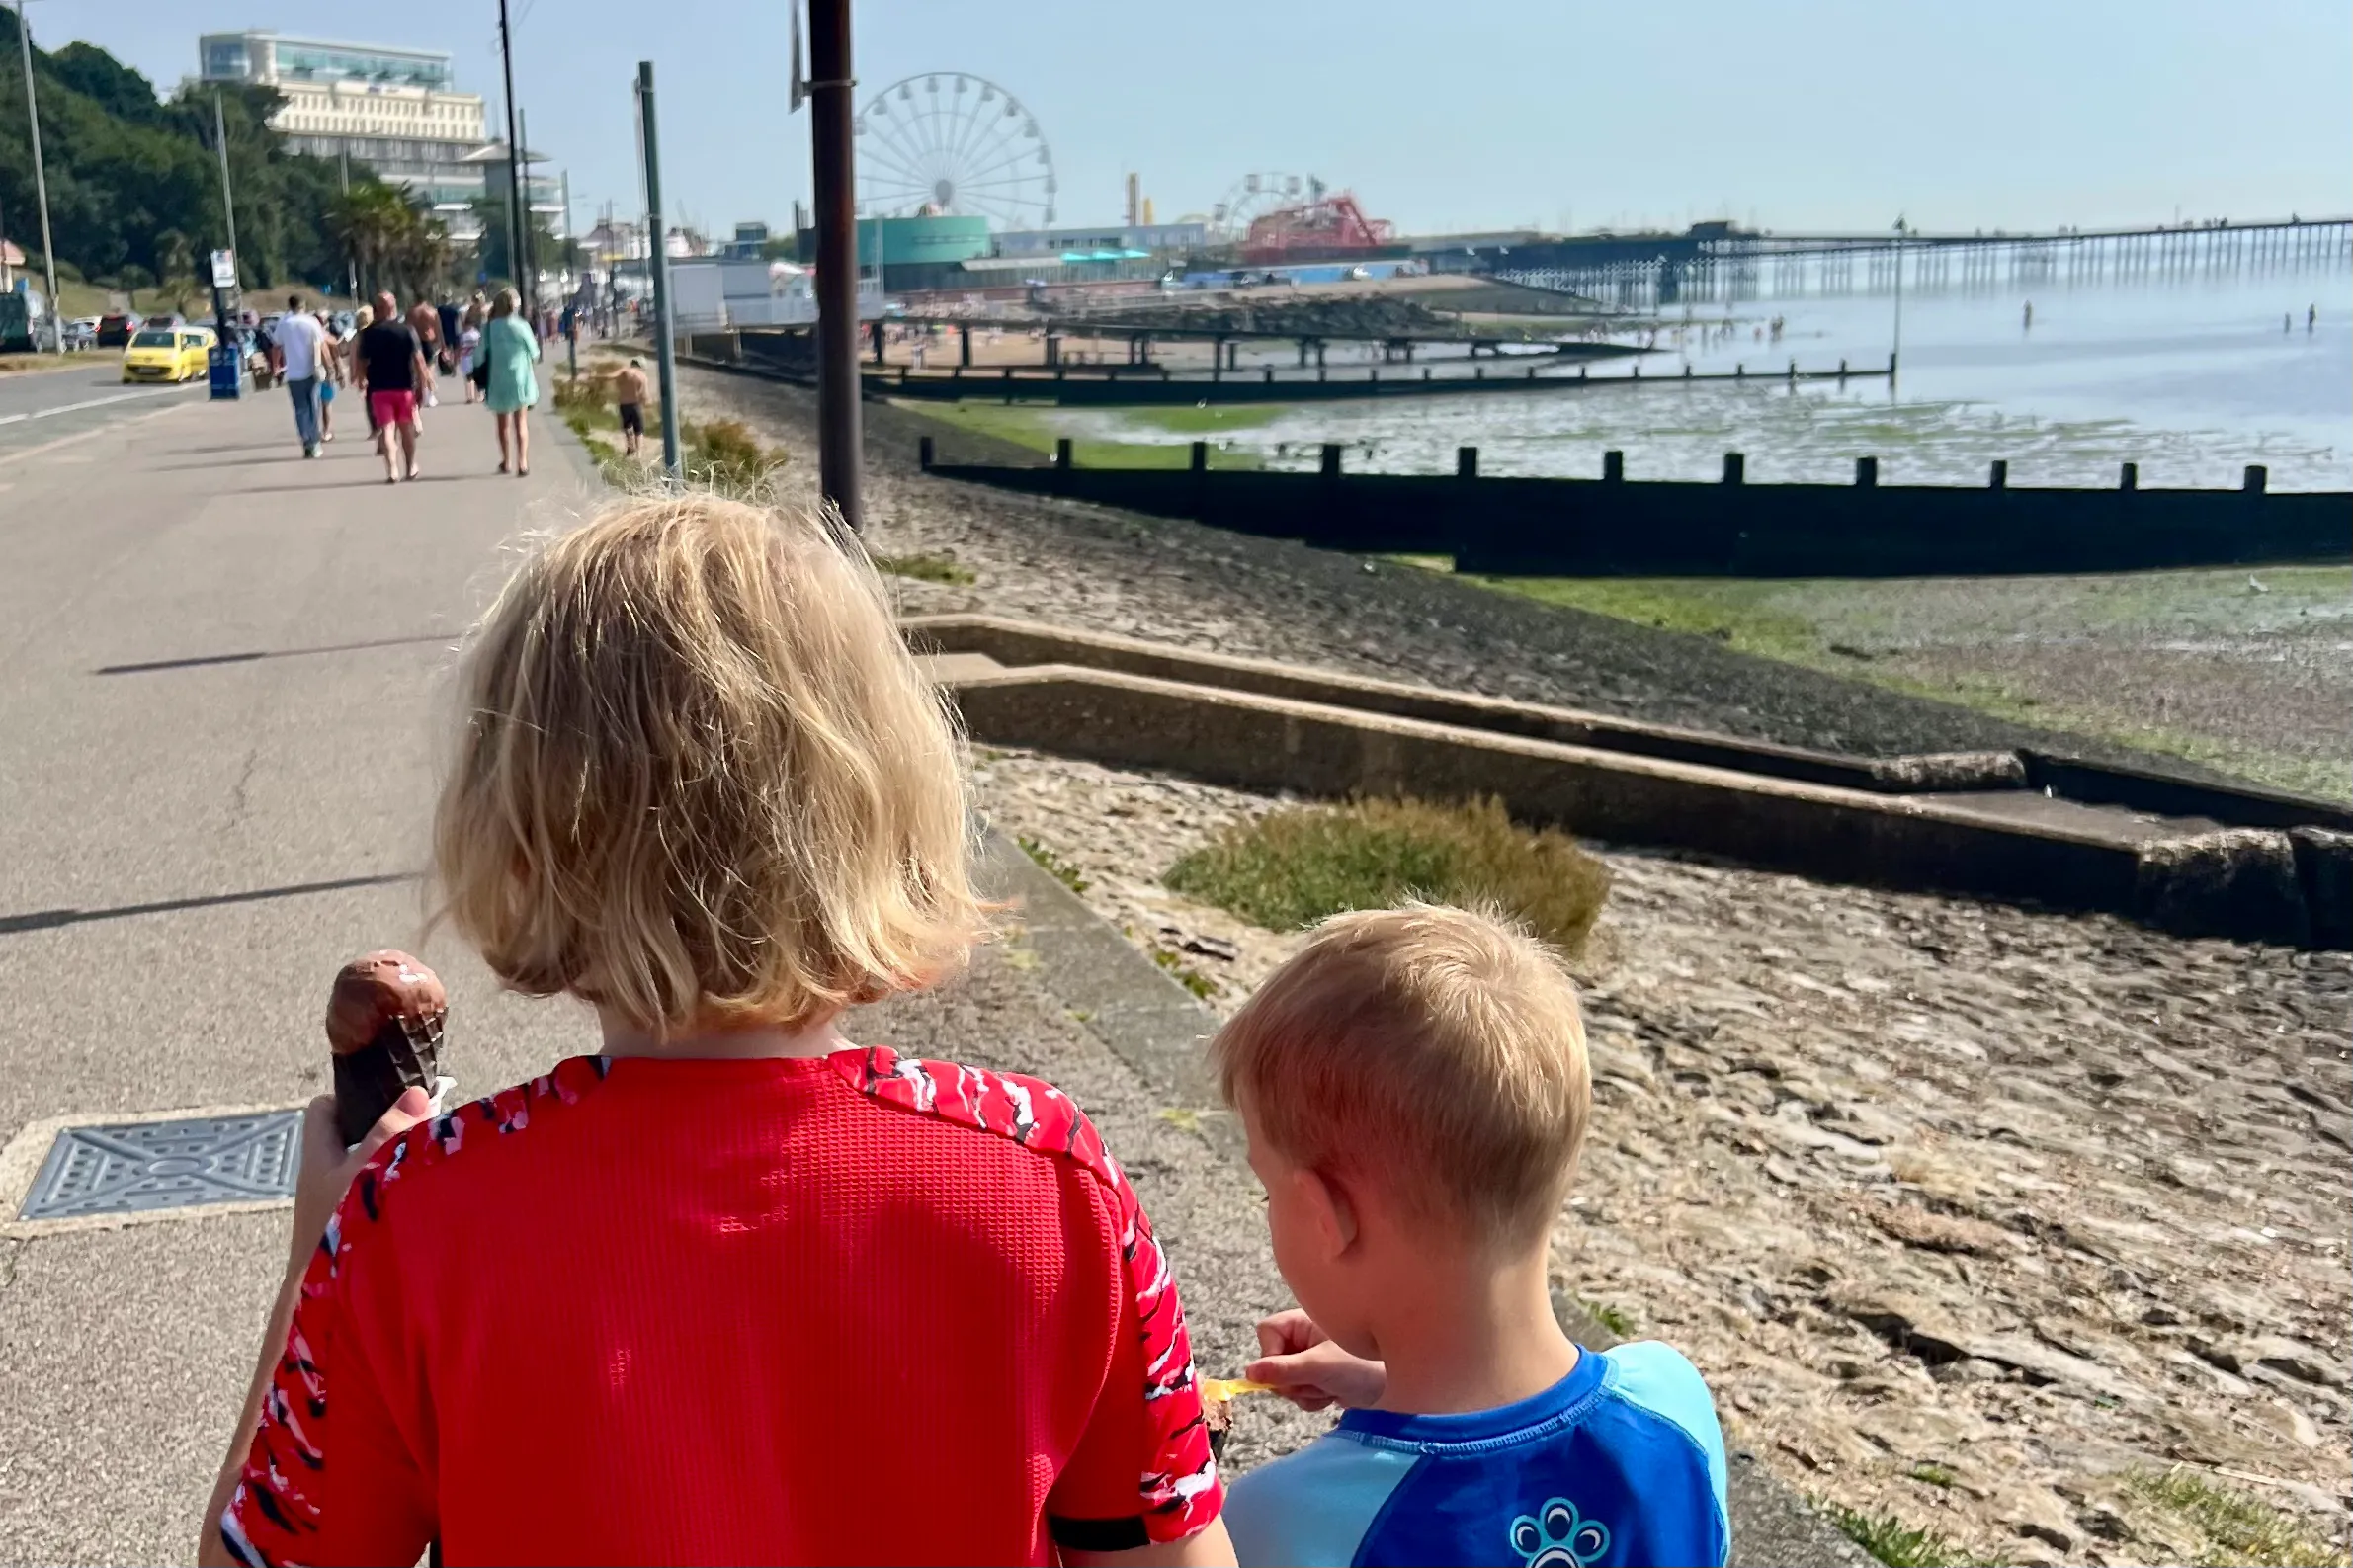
<point>166,318</point>
<point>167,354</point>
<point>115,329</point>
<point>81,332</point>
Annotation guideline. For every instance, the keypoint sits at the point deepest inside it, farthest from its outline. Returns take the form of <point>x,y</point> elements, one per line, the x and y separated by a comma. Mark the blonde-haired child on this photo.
<point>732,1289</point>
<point>1414,1087</point>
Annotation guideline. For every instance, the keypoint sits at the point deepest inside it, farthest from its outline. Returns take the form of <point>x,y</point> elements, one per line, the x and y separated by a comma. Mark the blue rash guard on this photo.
<point>1621,1461</point>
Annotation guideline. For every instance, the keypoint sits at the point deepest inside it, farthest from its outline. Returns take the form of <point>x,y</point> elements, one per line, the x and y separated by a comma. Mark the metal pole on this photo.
<point>229,198</point>
<point>350,263</point>
<point>531,248</point>
<point>40,184</point>
<point>838,435</point>
<point>665,354</point>
<point>506,56</point>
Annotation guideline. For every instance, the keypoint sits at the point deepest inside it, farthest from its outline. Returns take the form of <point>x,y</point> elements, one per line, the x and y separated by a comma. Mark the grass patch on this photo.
<point>1609,1317</point>
<point>1931,1475</point>
<point>1038,426</point>
<point>931,569</point>
<point>1897,1544</point>
<point>2238,1530</point>
<point>1190,978</point>
<point>1293,867</point>
<point>1054,865</point>
<point>1205,421</point>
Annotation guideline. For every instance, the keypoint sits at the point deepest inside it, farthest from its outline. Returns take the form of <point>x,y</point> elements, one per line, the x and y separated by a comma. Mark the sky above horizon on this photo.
<point>1813,115</point>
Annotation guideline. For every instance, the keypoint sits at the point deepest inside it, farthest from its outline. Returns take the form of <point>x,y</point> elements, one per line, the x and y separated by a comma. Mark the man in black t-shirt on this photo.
<point>391,368</point>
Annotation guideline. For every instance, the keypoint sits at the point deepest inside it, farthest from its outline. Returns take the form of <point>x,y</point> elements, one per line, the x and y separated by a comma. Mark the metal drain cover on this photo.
<point>135,1166</point>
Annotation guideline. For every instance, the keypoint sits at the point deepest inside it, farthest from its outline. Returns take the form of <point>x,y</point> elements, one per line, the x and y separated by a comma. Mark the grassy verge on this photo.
<point>1291,867</point>
<point>929,568</point>
<point>1913,637</point>
<point>1038,426</point>
<point>2235,1531</point>
<point>720,455</point>
<point>1895,1543</point>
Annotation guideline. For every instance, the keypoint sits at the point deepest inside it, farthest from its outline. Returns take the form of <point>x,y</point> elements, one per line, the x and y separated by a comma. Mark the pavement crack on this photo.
<point>239,802</point>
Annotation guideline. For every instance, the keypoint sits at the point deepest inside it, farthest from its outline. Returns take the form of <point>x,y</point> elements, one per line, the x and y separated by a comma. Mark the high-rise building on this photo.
<point>397,111</point>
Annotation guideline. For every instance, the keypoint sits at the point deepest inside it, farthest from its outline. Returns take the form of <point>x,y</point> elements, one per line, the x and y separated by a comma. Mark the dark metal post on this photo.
<point>1736,469</point>
<point>506,56</point>
<point>1466,463</point>
<point>839,439</point>
<point>666,350</point>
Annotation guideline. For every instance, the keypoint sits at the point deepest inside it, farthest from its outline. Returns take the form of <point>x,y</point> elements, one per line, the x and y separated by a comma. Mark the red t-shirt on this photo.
<point>856,1308</point>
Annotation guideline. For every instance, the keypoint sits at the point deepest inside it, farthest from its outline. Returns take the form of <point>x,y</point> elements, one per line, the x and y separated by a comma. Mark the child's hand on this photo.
<point>1299,1362</point>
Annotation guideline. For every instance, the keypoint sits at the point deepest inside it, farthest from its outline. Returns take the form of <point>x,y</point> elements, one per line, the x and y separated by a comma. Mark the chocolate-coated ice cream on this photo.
<point>383,1025</point>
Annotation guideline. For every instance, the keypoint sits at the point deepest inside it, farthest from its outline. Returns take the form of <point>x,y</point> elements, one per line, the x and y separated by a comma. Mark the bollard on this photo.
<point>923,453</point>
<point>1613,468</point>
<point>1466,463</point>
<point>1201,456</point>
<point>1270,375</point>
<point>1736,469</point>
<point>2258,478</point>
<point>1331,460</point>
<point>2001,474</point>
<point>2130,479</point>
<point>1062,452</point>
<point>1867,472</point>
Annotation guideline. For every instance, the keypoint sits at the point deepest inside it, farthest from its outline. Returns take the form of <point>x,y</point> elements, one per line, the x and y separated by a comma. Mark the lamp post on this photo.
<point>839,435</point>
<point>41,180</point>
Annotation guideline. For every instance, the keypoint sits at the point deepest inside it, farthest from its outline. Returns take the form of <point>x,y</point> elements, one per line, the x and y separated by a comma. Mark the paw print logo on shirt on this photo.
<point>1558,1536</point>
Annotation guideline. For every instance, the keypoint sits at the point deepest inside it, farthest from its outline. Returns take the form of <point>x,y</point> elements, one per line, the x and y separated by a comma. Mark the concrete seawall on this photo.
<point>2196,859</point>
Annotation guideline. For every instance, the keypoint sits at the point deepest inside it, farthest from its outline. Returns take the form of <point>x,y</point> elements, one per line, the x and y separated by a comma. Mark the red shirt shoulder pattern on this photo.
<point>1181,1495</point>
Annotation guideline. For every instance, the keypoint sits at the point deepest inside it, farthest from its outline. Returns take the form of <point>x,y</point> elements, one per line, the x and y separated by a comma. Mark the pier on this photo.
<point>1716,264</point>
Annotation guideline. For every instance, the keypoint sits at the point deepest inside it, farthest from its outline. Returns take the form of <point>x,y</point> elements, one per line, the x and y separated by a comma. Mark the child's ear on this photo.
<point>1331,1209</point>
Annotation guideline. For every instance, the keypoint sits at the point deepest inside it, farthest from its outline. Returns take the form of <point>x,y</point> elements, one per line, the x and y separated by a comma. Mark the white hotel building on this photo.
<point>397,111</point>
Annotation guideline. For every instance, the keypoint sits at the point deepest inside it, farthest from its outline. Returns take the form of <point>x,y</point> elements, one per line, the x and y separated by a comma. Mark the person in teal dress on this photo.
<point>514,382</point>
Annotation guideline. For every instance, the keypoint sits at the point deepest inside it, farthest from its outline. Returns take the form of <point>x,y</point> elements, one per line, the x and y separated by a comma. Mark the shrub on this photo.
<point>1894,1542</point>
<point>1293,867</point>
<point>726,456</point>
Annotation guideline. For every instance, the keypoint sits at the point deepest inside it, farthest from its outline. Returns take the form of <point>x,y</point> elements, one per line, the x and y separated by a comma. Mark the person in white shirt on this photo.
<point>298,338</point>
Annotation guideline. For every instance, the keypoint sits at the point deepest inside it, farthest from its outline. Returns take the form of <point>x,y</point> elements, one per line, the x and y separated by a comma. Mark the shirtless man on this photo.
<point>629,388</point>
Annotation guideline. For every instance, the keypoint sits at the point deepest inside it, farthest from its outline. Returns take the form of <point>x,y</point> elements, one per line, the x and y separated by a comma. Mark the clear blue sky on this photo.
<point>1449,114</point>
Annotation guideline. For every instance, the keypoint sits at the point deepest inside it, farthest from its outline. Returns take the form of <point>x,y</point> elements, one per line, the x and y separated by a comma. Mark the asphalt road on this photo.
<point>37,407</point>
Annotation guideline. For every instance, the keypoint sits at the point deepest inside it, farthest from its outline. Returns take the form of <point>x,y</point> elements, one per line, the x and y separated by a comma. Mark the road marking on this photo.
<point>95,402</point>
<point>85,435</point>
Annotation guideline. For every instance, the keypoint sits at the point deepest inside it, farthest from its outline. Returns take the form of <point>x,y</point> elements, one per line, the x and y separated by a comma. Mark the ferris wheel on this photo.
<point>952,143</point>
<point>1254,194</point>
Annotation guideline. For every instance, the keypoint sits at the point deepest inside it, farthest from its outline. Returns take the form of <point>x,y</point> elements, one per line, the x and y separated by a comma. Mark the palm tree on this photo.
<point>371,221</point>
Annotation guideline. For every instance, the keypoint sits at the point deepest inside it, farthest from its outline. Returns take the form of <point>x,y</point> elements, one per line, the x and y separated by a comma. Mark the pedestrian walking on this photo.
<point>393,369</point>
<point>334,354</point>
<point>514,382</point>
<point>629,388</point>
<point>470,355</point>
<point>298,343</point>
<point>448,314</point>
<point>362,319</point>
<point>425,322</point>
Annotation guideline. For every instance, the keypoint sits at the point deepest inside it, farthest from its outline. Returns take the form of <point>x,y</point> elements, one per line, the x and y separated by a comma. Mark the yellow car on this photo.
<point>167,354</point>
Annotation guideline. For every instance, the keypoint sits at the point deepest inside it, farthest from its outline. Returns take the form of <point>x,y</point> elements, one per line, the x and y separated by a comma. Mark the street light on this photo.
<point>40,183</point>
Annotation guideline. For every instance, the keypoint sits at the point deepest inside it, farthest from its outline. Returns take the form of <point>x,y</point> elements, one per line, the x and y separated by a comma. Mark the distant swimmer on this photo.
<point>2028,325</point>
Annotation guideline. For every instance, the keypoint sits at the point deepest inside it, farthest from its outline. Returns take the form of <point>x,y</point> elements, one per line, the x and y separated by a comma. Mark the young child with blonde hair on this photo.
<point>730,1288</point>
<point>1415,1089</point>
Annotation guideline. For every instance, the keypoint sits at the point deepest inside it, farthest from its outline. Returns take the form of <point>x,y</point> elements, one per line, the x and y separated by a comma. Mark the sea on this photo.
<point>2192,380</point>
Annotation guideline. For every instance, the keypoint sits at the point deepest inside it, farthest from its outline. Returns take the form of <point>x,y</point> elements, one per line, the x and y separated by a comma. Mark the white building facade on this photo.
<point>397,111</point>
